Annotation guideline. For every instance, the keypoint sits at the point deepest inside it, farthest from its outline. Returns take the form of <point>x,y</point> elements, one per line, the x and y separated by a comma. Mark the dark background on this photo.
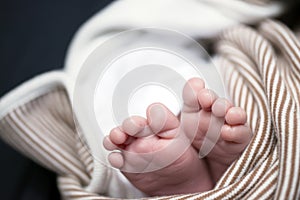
<point>34,36</point>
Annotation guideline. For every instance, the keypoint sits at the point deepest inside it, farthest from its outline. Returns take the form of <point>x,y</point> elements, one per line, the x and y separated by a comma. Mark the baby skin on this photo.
<point>160,154</point>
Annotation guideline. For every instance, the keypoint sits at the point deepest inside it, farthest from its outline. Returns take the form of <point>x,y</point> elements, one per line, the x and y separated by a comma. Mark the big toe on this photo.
<point>161,120</point>
<point>189,95</point>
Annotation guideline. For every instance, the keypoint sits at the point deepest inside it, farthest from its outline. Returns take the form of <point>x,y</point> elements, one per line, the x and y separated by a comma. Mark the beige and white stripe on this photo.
<point>263,81</point>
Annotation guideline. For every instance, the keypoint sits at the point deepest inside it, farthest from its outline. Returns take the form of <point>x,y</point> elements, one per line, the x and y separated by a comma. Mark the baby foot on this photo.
<point>156,156</point>
<point>205,110</point>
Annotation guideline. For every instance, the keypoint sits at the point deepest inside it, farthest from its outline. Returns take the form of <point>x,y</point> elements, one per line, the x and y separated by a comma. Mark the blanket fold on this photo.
<point>263,81</point>
<point>260,69</point>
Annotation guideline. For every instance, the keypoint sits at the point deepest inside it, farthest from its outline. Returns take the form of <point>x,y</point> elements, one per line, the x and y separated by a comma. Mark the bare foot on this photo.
<point>156,156</point>
<point>155,153</point>
<point>203,107</point>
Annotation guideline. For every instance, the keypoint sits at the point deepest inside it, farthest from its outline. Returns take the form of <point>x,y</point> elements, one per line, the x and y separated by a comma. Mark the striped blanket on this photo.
<point>261,69</point>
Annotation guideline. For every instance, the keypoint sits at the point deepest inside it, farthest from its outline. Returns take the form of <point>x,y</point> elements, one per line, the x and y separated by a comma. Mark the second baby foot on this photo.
<point>204,109</point>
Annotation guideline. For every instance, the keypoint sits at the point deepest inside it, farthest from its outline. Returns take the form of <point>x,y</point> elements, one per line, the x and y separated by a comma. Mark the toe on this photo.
<point>161,120</point>
<point>134,125</point>
<point>236,116</point>
<point>206,99</point>
<point>117,136</point>
<point>116,159</point>
<point>240,134</point>
<point>108,144</point>
<point>190,91</point>
<point>220,107</point>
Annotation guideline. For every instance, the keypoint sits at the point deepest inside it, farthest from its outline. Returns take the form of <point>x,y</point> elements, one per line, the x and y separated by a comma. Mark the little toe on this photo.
<point>116,159</point>
<point>189,95</point>
<point>240,134</point>
<point>161,120</point>
<point>134,125</point>
<point>117,136</point>
<point>236,116</point>
<point>220,107</point>
<point>206,98</point>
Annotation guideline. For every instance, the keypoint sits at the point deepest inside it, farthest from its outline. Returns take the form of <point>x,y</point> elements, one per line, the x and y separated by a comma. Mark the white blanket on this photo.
<point>199,19</point>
